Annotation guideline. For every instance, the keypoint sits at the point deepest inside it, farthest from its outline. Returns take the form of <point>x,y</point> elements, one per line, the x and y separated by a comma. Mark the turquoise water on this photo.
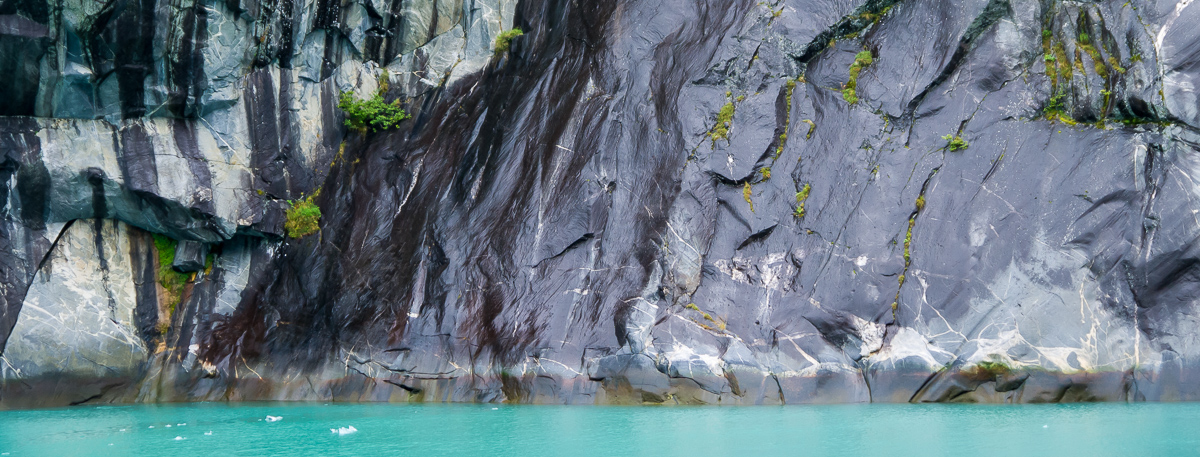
<point>501,430</point>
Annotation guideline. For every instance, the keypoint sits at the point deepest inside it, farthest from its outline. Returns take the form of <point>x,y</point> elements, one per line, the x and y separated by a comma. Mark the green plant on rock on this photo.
<point>955,143</point>
<point>801,197</point>
<point>724,118</point>
<point>384,81</point>
<point>987,370</point>
<point>791,87</point>
<point>719,324</point>
<point>861,60</point>
<point>1055,109</point>
<point>766,173</point>
<point>172,281</point>
<point>1116,65</point>
<point>995,368</point>
<point>303,218</point>
<point>747,191</point>
<point>209,260</point>
<point>373,113</point>
<point>504,39</point>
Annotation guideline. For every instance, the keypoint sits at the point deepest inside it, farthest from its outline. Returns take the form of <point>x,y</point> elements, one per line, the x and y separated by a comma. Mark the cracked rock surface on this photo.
<point>667,201</point>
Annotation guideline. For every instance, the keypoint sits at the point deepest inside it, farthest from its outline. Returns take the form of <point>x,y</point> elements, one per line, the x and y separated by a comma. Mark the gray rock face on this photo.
<point>190,256</point>
<point>78,323</point>
<point>717,202</point>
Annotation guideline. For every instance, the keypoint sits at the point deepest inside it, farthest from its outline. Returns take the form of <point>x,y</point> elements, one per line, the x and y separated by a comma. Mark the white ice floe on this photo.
<point>180,438</point>
<point>208,433</point>
<point>271,418</point>
<point>151,426</point>
<point>181,425</point>
<point>168,425</point>
<point>343,431</point>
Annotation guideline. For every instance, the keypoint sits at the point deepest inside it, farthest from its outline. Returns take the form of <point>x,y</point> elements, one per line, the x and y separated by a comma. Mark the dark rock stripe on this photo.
<point>138,162</point>
<point>185,139</point>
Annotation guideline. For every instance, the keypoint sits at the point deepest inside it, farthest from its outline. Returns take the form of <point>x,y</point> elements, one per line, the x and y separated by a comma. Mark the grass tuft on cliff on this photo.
<point>504,39</point>
<point>303,218</point>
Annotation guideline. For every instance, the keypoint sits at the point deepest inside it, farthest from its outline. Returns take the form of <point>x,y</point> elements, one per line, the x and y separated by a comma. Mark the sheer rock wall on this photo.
<point>639,202</point>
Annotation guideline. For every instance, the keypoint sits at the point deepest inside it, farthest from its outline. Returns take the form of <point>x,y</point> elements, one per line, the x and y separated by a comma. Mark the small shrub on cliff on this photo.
<point>303,218</point>
<point>504,39</point>
<point>373,113</point>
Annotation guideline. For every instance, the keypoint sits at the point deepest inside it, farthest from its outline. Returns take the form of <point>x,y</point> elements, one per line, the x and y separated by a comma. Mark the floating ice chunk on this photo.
<point>180,438</point>
<point>494,409</point>
<point>271,418</point>
<point>181,425</point>
<point>208,433</point>
<point>122,430</point>
<point>1045,426</point>
<point>151,426</point>
<point>168,425</point>
<point>343,431</point>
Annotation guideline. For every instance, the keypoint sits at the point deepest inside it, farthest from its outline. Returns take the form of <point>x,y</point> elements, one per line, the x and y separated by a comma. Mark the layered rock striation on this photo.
<point>724,202</point>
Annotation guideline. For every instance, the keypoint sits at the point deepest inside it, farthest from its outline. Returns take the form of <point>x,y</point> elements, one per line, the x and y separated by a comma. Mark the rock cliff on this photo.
<point>659,201</point>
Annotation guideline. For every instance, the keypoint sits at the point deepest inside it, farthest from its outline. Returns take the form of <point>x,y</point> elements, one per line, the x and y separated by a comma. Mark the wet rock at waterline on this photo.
<point>725,202</point>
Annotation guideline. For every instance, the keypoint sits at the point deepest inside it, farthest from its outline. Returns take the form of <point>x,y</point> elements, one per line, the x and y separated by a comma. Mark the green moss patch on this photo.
<point>720,131</point>
<point>801,197</point>
<point>748,191</point>
<point>171,281</point>
<point>861,60</point>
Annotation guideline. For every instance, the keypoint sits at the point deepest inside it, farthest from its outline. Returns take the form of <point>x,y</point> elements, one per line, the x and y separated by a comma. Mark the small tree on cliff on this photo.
<point>373,113</point>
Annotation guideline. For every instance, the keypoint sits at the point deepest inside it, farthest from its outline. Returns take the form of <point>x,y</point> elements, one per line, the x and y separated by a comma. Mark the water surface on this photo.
<point>218,429</point>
